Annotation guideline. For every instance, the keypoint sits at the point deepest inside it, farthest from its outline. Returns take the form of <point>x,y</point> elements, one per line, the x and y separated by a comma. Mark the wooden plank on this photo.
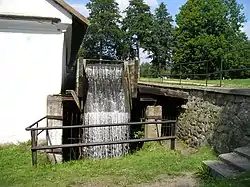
<point>76,99</point>
<point>55,117</point>
<point>81,63</point>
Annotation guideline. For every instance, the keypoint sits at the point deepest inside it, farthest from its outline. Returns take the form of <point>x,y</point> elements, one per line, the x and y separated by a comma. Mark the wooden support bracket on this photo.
<point>76,99</point>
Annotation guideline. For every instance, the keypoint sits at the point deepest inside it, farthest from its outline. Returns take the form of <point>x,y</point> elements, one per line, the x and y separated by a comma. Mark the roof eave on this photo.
<point>72,11</point>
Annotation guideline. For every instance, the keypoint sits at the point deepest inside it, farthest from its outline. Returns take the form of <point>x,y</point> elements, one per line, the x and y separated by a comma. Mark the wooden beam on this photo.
<point>163,92</point>
<point>76,99</point>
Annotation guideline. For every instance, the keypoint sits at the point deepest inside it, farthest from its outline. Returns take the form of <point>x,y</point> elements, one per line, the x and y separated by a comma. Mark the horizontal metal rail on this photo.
<point>195,62</point>
<point>231,70</point>
<point>183,74</point>
<point>45,117</point>
<point>35,132</point>
<point>36,122</point>
<point>36,148</point>
<point>103,60</point>
<point>199,74</point>
<point>101,125</point>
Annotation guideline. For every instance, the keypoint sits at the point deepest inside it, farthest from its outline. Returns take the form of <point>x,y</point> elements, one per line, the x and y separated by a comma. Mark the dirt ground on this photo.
<point>185,180</point>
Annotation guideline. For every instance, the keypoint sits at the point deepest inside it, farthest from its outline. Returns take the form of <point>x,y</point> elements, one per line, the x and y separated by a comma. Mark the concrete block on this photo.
<point>243,151</point>
<point>153,130</point>
<point>54,108</point>
<point>219,169</point>
<point>235,160</point>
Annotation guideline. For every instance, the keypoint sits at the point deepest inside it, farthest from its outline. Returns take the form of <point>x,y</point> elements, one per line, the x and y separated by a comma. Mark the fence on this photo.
<point>221,69</point>
<point>36,130</point>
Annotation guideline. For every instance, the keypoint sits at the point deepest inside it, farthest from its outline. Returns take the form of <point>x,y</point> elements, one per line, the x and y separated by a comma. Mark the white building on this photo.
<point>39,41</point>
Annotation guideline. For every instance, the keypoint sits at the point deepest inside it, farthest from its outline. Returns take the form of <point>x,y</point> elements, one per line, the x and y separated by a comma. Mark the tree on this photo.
<point>235,56</point>
<point>207,30</point>
<point>161,39</point>
<point>136,25</point>
<point>103,34</point>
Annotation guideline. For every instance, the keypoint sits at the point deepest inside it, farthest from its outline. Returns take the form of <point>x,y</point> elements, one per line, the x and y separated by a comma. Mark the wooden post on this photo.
<point>172,146</point>
<point>34,144</point>
<point>80,77</point>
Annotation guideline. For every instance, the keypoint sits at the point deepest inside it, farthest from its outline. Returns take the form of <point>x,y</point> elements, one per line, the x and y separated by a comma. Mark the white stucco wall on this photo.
<point>30,69</point>
<point>42,8</point>
<point>31,55</point>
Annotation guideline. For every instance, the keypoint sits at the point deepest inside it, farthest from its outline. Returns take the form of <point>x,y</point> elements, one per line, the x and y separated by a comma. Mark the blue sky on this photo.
<point>173,6</point>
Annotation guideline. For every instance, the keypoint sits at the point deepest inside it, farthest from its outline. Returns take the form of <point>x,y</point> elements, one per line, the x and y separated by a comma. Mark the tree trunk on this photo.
<point>138,49</point>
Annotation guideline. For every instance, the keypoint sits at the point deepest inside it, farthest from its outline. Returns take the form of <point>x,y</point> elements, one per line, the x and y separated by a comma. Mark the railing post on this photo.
<point>180,72</point>
<point>34,144</point>
<point>172,144</point>
<point>206,72</point>
<point>221,67</point>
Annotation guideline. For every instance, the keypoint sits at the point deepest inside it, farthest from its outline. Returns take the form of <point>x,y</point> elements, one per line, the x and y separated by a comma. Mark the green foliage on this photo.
<point>136,26</point>
<point>103,34</point>
<point>139,134</point>
<point>151,70</point>
<point>161,38</point>
<point>208,30</point>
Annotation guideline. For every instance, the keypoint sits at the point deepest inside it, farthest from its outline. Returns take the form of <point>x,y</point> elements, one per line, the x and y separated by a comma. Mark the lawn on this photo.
<point>234,83</point>
<point>142,167</point>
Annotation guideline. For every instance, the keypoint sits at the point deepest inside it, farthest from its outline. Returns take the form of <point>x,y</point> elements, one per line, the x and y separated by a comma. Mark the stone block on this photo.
<point>153,130</point>
<point>54,108</point>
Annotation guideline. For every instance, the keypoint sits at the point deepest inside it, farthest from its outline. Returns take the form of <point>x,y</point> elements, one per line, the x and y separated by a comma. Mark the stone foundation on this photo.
<point>220,119</point>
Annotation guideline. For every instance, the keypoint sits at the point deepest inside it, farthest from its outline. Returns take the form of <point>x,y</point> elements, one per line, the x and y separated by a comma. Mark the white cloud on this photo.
<point>123,4</point>
<point>246,29</point>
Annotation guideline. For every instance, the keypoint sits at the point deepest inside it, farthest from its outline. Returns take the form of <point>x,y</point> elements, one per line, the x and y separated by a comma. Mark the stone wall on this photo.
<point>218,117</point>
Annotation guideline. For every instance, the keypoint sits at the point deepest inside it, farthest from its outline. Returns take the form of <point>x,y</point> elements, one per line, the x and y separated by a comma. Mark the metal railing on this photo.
<point>178,72</point>
<point>36,130</point>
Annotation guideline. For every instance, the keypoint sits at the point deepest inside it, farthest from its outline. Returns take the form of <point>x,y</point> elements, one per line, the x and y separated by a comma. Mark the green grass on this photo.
<point>234,83</point>
<point>141,167</point>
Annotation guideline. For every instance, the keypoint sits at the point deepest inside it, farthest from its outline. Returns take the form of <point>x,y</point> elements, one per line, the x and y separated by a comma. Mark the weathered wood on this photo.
<point>81,63</point>
<point>76,99</point>
<point>132,73</point>
<point>50,143</point>
<point>136,78</point>
<point>173,132</point>
<point>162,91</point>
<point>34,144</point>
<point>127,84</point>
<point>55,117</point>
